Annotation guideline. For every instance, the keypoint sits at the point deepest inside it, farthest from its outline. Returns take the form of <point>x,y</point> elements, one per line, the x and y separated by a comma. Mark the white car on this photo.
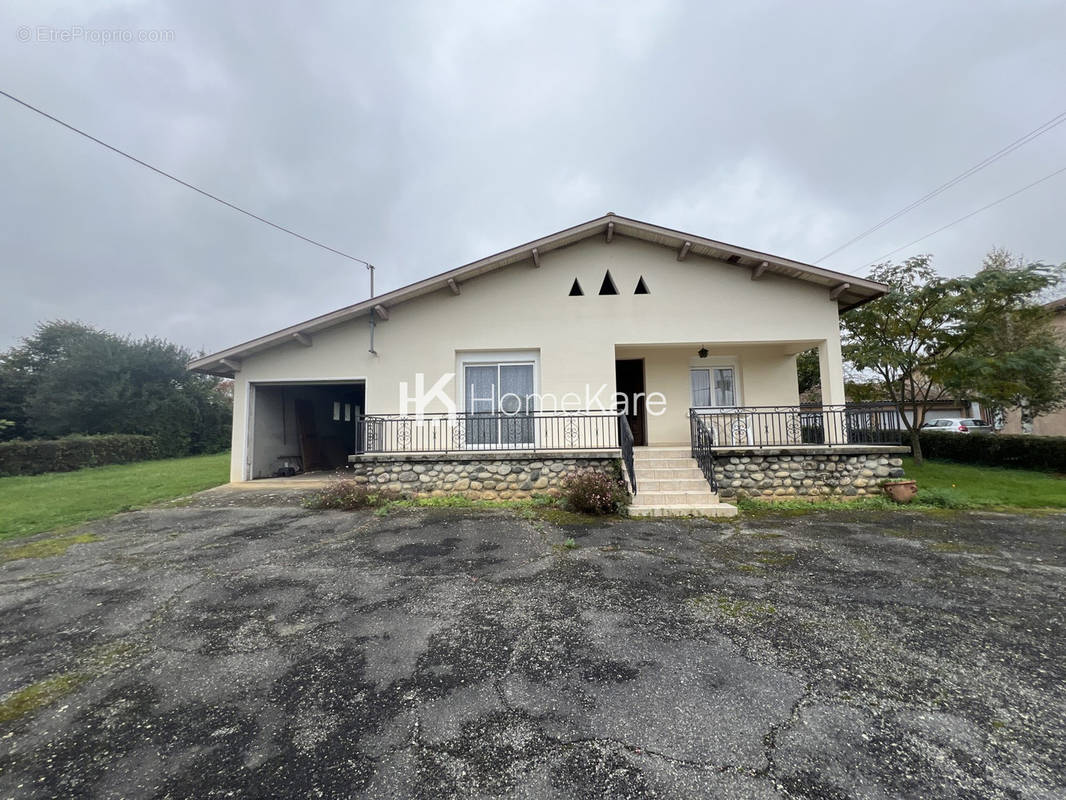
<point>947,425</point>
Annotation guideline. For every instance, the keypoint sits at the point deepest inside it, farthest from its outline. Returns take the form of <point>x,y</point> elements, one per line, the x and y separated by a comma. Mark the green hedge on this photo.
<point>1044,453</point>
<point>32,457</point>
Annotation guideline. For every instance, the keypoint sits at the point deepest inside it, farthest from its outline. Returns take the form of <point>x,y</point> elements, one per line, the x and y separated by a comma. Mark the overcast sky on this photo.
<point>421,136</point>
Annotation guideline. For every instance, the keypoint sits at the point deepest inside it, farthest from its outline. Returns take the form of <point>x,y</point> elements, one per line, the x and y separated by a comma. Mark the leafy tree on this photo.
<point>808,370</point>
<point>865,391</point>
<point>71,378</point>
<point>1016,360</point>
<point>918,337</point>
<point>21,366</point>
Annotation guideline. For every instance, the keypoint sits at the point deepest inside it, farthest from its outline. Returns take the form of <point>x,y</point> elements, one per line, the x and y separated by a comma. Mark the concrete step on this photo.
<point>673,497</point>
<point>699,510</point>
<point>672,449</point>
<point>679,473</point>
<point>672,483</point>
<point>652,455</point>
<point>664,463</point>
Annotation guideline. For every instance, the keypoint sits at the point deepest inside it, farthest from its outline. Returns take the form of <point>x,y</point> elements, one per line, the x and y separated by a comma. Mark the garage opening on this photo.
<point>304,427</point>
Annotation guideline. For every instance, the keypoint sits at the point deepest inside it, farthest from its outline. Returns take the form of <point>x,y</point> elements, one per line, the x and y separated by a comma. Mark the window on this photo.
<point>503,393</point>
<point>713,388</point>
<point>608,287</point>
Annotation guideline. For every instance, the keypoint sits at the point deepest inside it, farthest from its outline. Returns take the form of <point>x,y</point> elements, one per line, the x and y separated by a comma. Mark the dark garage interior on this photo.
<point>304,427</point>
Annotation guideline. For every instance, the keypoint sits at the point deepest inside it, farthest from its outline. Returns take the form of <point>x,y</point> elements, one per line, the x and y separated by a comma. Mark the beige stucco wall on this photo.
<point>522,309</point>
<point>1049,424</point>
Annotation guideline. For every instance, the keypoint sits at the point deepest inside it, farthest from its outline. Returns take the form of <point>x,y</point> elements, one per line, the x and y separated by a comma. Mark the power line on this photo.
<point>967,216</point>
<point>1010,148</point>
<point>186,184</point>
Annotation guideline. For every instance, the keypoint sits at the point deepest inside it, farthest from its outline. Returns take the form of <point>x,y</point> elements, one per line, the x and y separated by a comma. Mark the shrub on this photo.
<point>349,496</point>
<point>32,457</point>
<point>592,491</point>
<point>1044,453</point>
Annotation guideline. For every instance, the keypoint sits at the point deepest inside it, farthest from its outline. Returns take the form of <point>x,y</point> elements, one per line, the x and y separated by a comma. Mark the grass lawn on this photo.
<point>978,486</point>
<point>56,500</point>
<point>945,484</point>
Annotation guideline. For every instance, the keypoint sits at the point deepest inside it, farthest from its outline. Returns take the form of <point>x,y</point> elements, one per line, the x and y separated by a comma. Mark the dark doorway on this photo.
<point>629,381</point>
<point>306,427</point>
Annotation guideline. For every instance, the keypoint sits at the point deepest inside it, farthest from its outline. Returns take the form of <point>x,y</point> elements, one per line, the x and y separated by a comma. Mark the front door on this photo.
<point>629,381</point>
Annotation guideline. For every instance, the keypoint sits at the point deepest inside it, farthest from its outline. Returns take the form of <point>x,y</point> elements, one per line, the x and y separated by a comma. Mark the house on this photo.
<point>611,340</point>
<point>1053,424</point>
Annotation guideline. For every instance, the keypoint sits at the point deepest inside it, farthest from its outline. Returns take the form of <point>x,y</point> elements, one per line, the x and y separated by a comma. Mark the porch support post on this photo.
<point>831,373</point>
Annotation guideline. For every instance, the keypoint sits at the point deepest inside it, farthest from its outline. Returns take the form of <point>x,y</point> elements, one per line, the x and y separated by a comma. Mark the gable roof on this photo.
<point>849,291</point>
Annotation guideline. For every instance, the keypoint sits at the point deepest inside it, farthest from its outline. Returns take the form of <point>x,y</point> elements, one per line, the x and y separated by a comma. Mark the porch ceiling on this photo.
<point>790,346</point>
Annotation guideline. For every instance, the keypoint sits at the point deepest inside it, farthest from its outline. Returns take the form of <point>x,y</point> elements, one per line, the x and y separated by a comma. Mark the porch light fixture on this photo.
<point>702,352</point>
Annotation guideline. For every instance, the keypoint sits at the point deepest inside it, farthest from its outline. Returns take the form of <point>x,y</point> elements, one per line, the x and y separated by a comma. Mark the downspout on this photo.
<point>372,350</point>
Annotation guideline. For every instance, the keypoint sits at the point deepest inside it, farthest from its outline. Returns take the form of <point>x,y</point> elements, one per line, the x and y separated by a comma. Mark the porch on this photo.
<point>533,432</point>
<point>803,450</point>
<point>661,384</point>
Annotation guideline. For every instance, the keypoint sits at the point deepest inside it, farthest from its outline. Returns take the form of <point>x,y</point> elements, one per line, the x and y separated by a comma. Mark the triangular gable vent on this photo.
<point>642,287</point>
<point>575,290</point>
<point>608,287</point>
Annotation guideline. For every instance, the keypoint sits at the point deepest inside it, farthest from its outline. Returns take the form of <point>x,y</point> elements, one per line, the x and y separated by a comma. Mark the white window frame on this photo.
<point>497,358</point>
<point>710,364</point>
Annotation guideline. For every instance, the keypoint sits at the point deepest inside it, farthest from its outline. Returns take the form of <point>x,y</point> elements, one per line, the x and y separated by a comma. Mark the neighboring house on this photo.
<point>1053,424</point>
<point>949,408</point>
<point>517,358</point>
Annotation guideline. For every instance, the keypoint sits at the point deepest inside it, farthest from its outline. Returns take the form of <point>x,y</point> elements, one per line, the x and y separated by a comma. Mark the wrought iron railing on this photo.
<point>782,426</point>
<point>446,433</point>
<point>702,442</point>
<point>625,439</point>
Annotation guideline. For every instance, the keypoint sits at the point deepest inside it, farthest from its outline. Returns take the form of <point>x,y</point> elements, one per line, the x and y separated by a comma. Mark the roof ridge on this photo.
<point>860,290</point>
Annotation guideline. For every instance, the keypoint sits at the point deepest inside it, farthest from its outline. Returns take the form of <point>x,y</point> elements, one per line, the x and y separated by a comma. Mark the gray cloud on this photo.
<point>424,135</point>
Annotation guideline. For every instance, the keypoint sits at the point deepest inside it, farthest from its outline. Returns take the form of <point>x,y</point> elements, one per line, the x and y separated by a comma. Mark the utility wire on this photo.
<point>967,216</point>
<point>1005,151</point>
<point>186,184</point>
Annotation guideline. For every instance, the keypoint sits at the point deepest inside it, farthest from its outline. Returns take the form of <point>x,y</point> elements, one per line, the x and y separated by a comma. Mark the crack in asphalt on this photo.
<point>403,655</point>
<point>770,740</point>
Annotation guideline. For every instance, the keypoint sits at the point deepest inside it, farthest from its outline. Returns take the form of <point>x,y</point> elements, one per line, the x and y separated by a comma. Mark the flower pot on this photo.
<point>901,491</point>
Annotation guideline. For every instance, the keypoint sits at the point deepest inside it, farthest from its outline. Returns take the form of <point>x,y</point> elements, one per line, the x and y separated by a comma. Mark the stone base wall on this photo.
<point>785,474</point>
<point>493,476</point>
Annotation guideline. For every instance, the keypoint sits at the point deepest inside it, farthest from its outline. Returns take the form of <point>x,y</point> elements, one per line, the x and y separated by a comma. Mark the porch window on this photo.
<point>502,394</point>
<point>713,388</point>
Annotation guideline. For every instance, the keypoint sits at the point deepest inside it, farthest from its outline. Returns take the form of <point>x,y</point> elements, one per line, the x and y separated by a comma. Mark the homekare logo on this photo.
<point>491,400</point>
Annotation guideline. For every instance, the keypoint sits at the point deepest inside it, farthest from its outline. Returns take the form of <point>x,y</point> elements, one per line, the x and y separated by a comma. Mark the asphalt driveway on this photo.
<point>270,651</point>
